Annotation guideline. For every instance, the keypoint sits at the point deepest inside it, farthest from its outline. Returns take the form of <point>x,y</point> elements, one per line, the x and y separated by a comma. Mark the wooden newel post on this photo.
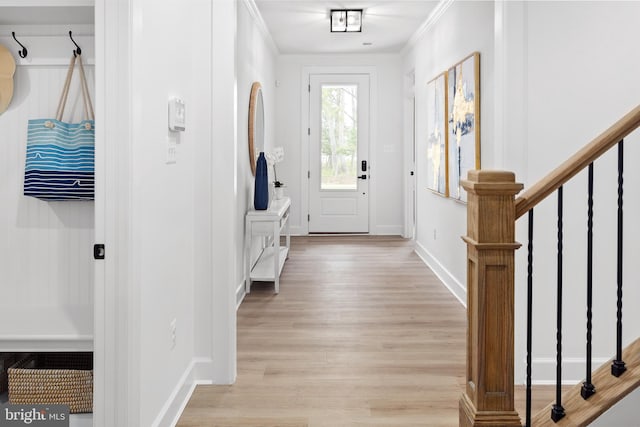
<point>488,399</point>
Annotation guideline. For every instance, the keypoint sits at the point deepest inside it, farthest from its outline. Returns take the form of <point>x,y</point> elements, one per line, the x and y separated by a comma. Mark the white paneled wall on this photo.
<point>46,248</point>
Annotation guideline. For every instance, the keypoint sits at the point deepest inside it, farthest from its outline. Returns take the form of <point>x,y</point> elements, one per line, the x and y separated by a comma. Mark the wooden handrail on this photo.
<point>572,166</point>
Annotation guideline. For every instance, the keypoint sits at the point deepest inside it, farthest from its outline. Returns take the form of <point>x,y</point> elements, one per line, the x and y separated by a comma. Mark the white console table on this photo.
<point>270,222</point>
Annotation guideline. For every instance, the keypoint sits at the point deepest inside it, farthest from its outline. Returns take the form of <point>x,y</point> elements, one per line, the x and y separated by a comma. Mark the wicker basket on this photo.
<point>53,378</point>
<point>6,360</point>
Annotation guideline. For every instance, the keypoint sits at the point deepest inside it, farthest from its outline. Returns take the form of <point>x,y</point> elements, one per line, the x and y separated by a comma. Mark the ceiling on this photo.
<point>302,26</point>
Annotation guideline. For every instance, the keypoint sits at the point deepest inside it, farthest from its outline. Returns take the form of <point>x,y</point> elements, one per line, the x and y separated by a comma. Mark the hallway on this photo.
<point>362,333</point>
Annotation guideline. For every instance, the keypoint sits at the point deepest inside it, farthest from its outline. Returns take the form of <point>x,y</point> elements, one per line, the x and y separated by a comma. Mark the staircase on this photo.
<point>492,212</point>
<point>611,389</point>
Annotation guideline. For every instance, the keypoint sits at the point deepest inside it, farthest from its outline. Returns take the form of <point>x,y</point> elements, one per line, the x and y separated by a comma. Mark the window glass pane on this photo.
<point>339,147</point>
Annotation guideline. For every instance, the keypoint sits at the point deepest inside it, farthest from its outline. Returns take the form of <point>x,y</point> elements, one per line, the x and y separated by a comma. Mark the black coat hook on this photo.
<point>78,51</point>
<point>22,52</point>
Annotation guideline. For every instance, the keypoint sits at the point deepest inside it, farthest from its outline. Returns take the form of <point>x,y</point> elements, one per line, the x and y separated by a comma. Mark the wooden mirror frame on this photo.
<point>256,136</point>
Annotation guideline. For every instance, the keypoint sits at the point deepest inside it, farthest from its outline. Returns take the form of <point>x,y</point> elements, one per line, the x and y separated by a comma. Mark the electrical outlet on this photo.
<point>172,333</point>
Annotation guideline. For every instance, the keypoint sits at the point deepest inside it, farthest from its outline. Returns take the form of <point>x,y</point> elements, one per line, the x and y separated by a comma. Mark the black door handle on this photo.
<point>364,176</point>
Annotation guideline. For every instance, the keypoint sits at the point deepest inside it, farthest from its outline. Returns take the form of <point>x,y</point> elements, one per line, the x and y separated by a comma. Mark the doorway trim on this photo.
<point>305,106</point>
<point>410,155</point>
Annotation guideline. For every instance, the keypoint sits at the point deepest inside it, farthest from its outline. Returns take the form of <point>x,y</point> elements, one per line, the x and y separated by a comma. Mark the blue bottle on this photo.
<point>261,193</point>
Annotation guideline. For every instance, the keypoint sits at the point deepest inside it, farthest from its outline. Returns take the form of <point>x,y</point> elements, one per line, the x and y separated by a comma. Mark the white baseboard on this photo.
<point>380,230</point>
<point>389,230</point>
<point>240,294</point>
<point>174,406</point>
<point>454,286</point>
<point>543,369</point>
<point>296,230</point>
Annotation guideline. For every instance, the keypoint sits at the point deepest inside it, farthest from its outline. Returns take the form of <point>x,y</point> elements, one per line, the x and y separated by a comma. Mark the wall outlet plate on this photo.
<point>171,151</point>
<point>176,114</point>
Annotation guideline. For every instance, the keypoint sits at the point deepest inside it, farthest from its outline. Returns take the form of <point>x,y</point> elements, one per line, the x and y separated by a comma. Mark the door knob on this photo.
<point>364,176</point>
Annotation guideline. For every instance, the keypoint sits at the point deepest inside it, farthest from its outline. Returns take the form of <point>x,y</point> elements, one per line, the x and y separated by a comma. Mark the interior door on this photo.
<point>338,153</point>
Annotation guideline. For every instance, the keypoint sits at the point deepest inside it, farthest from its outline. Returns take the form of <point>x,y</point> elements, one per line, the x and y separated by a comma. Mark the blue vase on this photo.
<point>261,193</point>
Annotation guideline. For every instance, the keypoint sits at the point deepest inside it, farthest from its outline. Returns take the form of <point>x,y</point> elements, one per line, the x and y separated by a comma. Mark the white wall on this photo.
<point>256,63</point>
<point>464,28</point>
<point>553,76</point>
<point>579,80</point>
<point>171,57</point>
<point>386,147</point>
<point>46,264</point>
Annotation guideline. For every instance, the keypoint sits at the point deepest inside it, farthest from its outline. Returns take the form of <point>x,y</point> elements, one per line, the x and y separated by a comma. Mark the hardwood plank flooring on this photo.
<point>361,334</point>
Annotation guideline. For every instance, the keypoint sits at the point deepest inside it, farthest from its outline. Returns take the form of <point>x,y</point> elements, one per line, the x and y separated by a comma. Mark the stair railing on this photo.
<point>492,210</point>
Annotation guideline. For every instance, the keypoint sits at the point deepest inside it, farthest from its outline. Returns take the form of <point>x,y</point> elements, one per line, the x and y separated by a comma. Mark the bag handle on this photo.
<point>86,98</point>
<point>88,105</point>
<point>65,90</point>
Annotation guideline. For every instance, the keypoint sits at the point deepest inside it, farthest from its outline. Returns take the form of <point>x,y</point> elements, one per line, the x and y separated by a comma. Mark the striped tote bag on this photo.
<point>60,156</point>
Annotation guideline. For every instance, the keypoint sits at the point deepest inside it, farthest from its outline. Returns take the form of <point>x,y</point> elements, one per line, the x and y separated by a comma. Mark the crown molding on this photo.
<point>431,20</point>
<point>257,19</point>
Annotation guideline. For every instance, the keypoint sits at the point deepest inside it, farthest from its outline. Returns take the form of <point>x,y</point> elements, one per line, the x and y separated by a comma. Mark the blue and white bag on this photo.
<point>60,155</point>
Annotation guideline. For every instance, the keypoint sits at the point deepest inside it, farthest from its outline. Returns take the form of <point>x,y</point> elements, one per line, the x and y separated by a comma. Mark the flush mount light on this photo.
<point>346,20</point>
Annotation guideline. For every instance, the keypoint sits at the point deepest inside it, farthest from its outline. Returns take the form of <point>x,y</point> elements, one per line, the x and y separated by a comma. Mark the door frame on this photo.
<point>410,156</point>
<point>117,353</point>
<point>112,312</point>
<point>305,107</point>
<point>358,220</point>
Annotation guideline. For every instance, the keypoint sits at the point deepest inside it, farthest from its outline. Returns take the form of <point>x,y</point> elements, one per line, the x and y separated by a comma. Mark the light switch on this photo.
<point>176,114</point>
<point>171,151</point>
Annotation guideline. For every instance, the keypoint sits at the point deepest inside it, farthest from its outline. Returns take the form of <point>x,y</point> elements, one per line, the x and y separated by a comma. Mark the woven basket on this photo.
<point>53,379</point>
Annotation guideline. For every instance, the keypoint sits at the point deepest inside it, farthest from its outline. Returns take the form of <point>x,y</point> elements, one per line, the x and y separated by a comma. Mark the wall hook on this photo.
<point>22,52</point>
<point>78,51</point>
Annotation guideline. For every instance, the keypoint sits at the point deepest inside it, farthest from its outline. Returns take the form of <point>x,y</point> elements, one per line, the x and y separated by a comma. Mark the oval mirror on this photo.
<point>256,125</point>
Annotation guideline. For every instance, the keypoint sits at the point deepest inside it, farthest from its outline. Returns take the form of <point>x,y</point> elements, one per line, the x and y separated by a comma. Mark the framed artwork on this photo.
<point>437,135</point>
<point>463,117</point>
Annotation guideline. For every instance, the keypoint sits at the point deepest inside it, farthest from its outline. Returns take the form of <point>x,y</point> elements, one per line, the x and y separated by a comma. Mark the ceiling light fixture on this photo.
<point>346,20</point>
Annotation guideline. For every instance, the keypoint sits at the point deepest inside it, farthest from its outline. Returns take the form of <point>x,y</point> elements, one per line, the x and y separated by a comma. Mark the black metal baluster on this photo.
<point>557,411</point>
<point>588,389</point>
<point>529,315</point>
<point>618,365</point>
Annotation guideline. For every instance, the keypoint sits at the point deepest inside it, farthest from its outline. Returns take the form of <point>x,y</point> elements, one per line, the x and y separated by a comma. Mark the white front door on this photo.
<point>338,153</point>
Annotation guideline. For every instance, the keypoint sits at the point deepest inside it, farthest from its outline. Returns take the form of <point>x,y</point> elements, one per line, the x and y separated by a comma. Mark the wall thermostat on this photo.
<point>176,114</point>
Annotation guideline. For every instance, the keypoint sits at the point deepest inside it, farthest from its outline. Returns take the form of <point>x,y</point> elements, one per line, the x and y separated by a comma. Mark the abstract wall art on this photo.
<point>437,135</point>
<point>463,117</point>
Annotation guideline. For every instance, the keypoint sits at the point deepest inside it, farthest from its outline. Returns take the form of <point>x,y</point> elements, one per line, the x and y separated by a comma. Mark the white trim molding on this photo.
<point>262,26</point>
<point>176,403</point>
<point>224,128</point>
<point>433,17</point>
<point>31,343</point>
<point>389,230</point>
<point>454,286</point>
<point>240,293</point>
<point>544,369</point>
<point>49,3</point>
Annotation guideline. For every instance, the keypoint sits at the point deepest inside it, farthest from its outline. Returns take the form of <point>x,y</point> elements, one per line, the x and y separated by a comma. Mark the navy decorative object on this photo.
<point>261,193</point>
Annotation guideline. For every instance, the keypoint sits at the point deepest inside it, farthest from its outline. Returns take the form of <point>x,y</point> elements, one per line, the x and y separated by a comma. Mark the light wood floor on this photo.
<point>361,334</point>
